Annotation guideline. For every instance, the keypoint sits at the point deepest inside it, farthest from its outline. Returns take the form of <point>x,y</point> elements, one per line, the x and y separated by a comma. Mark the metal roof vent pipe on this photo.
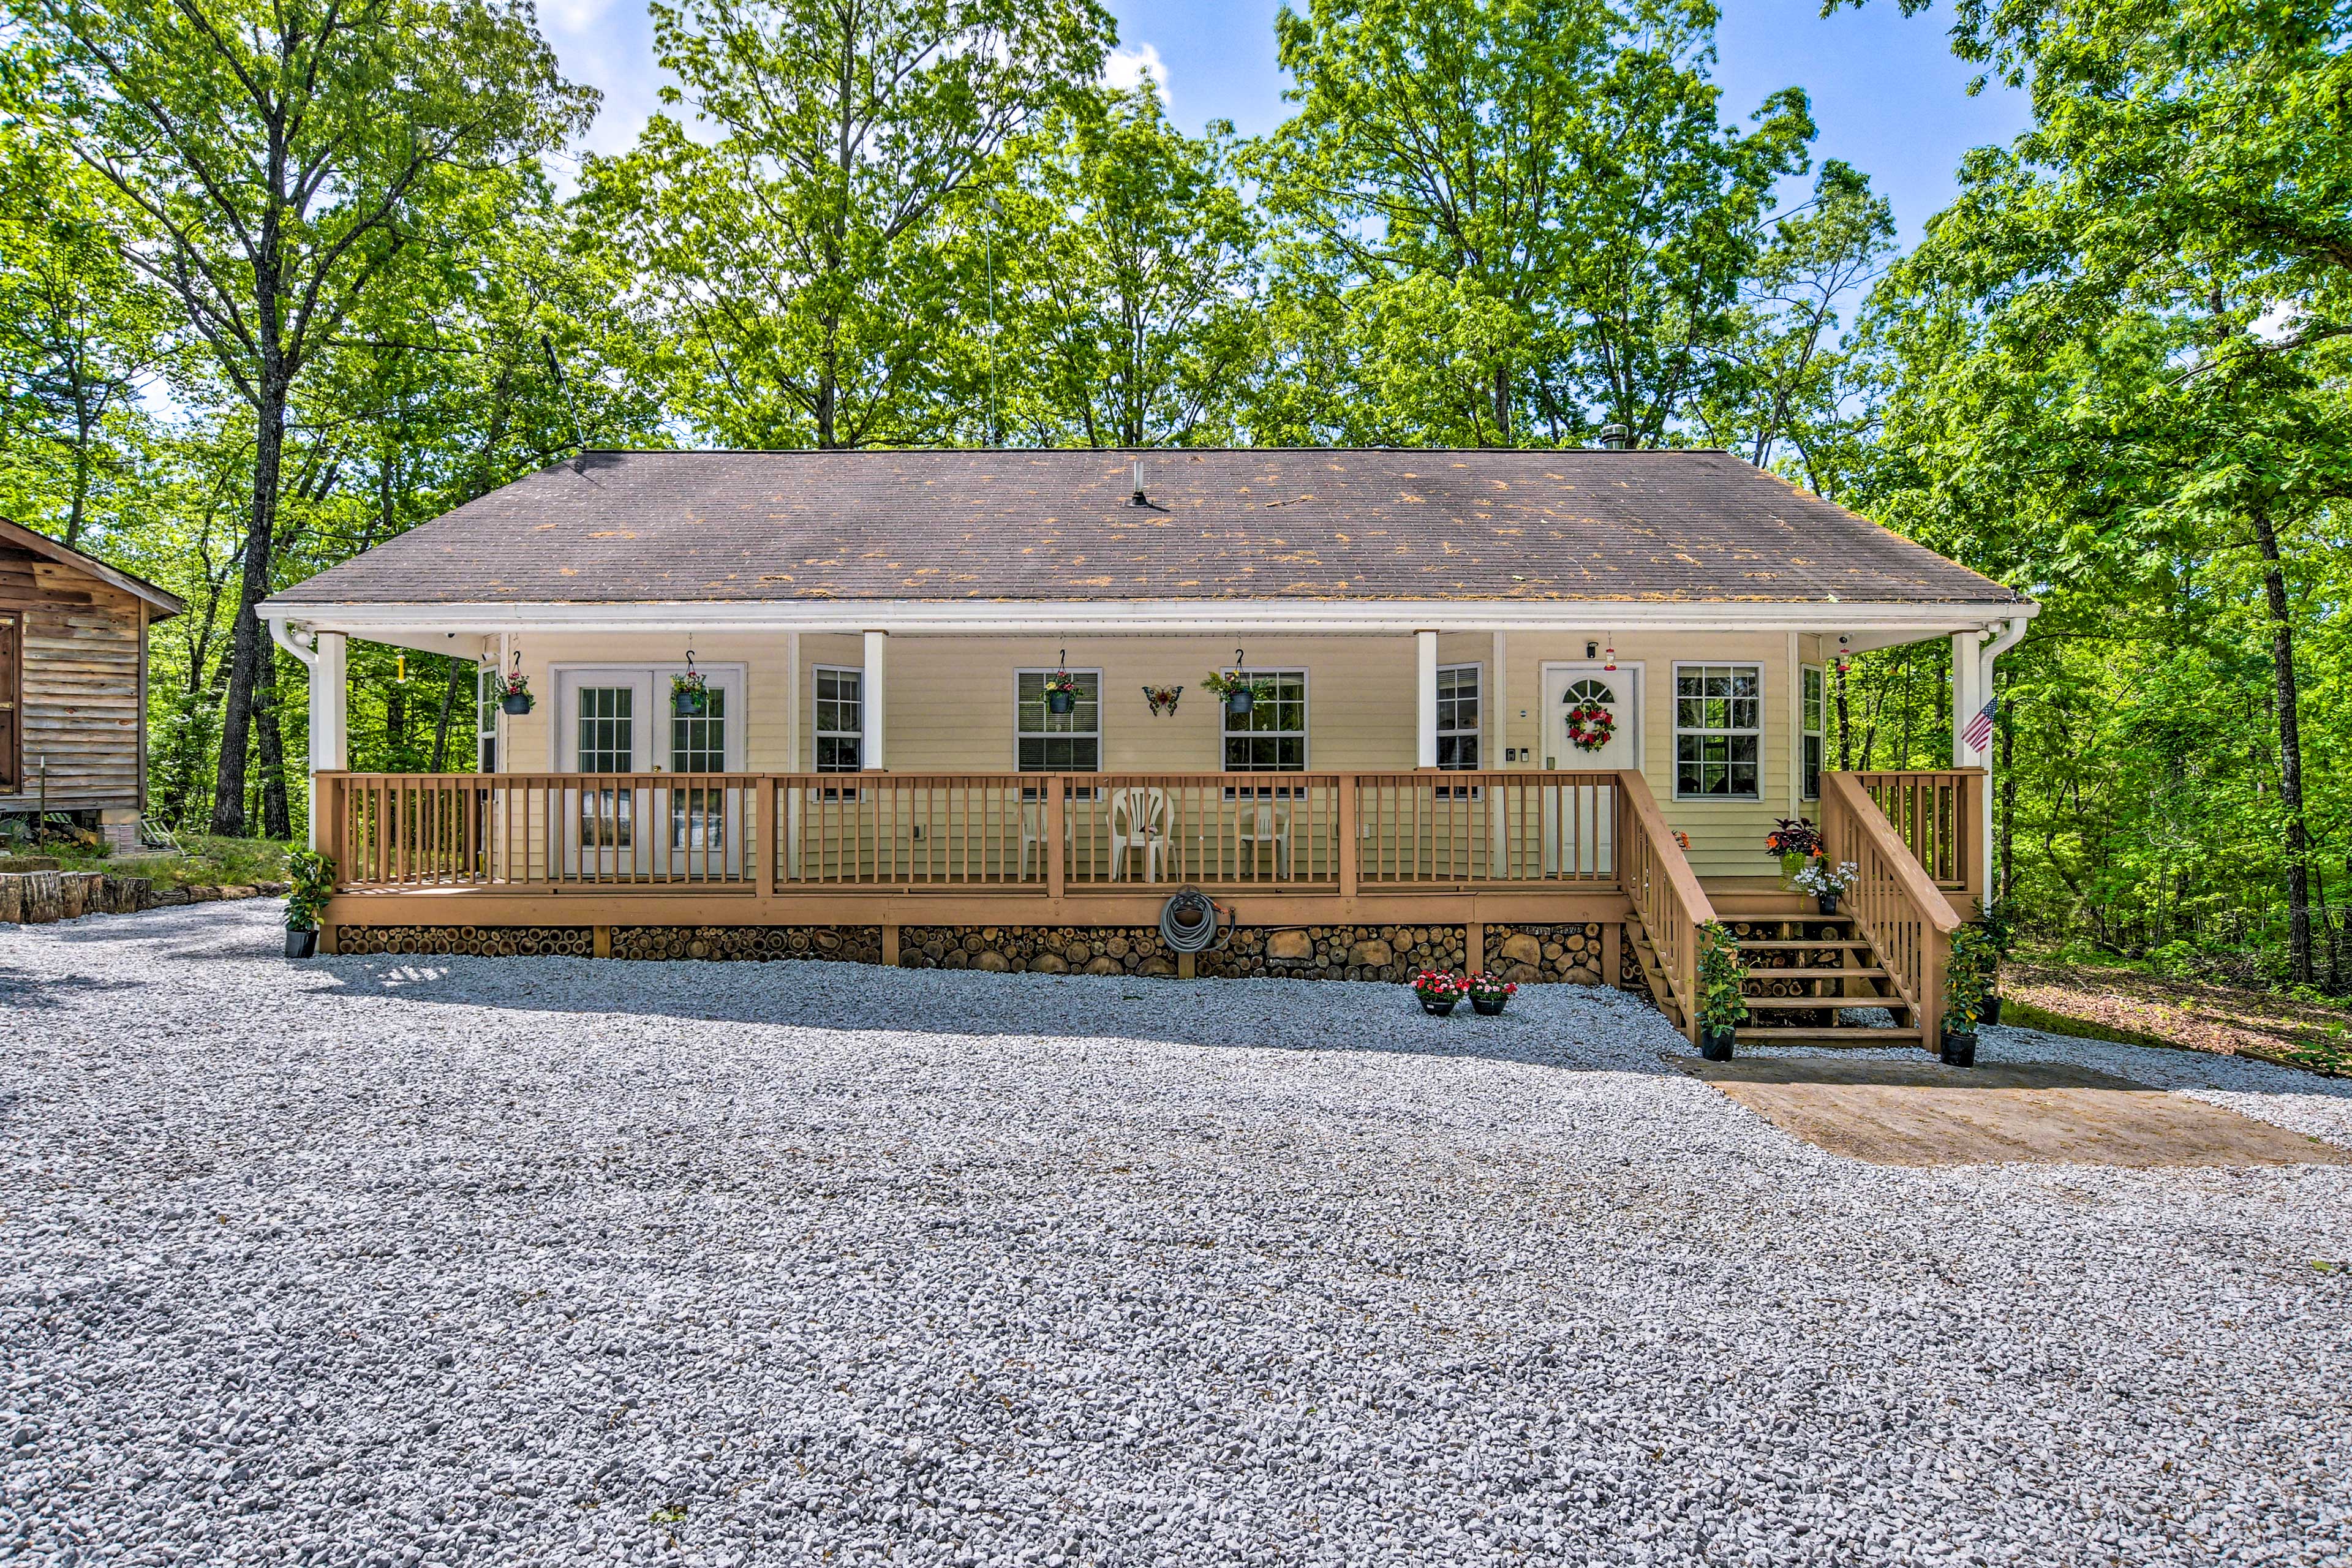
<point>1137,498</point>
<point>1616,437</point>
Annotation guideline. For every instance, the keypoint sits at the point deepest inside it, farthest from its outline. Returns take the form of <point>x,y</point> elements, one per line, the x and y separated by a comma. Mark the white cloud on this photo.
<point>1131,65</point>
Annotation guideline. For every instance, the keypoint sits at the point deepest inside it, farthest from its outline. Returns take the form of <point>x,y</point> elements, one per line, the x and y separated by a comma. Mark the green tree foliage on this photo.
<point>2117,378</point>
<point>1511,221</point>
<point>273,164</point>
<point>801,276</point>
<point>1122,260</point>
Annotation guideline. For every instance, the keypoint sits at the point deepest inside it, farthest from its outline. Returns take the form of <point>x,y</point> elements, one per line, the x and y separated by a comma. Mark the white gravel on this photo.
<point>396,1261</point>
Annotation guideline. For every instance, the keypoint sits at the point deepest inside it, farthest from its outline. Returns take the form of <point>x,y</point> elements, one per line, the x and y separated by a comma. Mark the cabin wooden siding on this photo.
<point>83,661</point>
<point>950,705</point>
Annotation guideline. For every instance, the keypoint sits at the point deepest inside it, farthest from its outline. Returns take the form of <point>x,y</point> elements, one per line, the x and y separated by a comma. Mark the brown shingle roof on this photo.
<point>623,526</point>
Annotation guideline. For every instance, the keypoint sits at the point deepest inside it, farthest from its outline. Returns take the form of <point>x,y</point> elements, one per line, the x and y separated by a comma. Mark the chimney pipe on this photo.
<point>1137,499</point>
<point>1616,437</point>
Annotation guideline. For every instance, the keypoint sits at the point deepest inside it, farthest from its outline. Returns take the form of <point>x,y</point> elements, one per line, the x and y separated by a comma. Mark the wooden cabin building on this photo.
<point>73,685</point>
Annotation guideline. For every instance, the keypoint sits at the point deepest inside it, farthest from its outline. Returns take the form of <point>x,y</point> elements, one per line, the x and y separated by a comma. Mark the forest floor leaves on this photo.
<point>2140,1008</point>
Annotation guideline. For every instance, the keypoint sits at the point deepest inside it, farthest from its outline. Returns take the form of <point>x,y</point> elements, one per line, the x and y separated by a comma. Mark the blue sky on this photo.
<point>1886,92</point>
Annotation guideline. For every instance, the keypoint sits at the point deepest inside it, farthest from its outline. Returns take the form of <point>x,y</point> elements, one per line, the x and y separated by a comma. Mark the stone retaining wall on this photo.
<point>40,897</point>
<point>847,944</point>
<point>1529,955</point>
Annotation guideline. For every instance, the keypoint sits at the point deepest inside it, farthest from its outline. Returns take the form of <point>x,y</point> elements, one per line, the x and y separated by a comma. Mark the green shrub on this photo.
<point>313,879</point>
<point>1722,1005</point>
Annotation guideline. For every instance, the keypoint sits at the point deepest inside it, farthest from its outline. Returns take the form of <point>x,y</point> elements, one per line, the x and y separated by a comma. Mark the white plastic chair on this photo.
<point>1140,825</point>
<point>1268,824</point>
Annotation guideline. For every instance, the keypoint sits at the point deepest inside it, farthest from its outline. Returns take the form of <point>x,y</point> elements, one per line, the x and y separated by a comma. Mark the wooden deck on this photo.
<point>888,850</point>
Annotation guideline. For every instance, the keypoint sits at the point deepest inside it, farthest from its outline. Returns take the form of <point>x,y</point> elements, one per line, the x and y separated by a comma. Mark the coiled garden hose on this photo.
<point>1188,923</point>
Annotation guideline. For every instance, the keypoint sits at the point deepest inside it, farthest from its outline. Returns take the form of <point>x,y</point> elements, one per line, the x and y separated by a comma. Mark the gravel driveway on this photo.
<point>400,1260</point>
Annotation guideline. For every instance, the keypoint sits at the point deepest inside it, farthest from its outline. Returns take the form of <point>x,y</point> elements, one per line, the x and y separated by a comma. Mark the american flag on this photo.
<point>1980,728</point>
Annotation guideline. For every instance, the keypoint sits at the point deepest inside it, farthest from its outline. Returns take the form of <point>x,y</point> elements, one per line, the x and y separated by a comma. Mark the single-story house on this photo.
<point>992,709</point>
<point>73,685</point>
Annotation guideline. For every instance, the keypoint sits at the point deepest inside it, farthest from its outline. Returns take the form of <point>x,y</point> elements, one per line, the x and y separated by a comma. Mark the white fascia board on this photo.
<point>1143,618</point>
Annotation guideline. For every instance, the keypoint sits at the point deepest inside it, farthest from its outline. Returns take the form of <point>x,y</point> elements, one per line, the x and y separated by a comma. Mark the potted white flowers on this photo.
<point>1826,882</point>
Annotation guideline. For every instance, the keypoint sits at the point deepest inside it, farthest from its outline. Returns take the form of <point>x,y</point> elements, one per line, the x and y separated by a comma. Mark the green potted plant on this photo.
<point>1238,691</point>
<point>1722,1000</point>
<point>311,879</point>
<point>514,693</point>
<point>1488,992</point>
<point>1061,692</point>
<point>1968,977</point>
<point>1439,992</point>
<point>689,693</point>
<point>1796,842</point>
<point>1827,883</point>
<point>2002,933</point>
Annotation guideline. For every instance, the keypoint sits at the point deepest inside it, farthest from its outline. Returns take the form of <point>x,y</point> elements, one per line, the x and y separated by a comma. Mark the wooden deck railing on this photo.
<point>1901,910</point>
<point>1666,894</point>
<point>1936,812</point>
<point>1047,833</point>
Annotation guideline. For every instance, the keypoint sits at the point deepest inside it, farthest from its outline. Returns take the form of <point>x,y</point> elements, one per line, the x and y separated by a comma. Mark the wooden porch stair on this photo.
<point>1835,969</point>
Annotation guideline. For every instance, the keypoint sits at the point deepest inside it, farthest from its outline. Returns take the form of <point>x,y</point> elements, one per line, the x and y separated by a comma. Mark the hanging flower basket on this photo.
<point>1589,725</point>
<point>1240,692</point>
<point>1061,692</point>
<point>514,693</point>
<point>689,694</point>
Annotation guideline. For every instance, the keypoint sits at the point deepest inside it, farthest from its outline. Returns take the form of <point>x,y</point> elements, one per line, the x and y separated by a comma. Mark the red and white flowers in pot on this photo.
<point>1439,992</point>
<point>1488,992</point>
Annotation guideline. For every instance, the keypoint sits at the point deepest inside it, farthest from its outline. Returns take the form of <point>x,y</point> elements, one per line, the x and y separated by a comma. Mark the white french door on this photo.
<point>618,721</point>
<point>1581,823</point>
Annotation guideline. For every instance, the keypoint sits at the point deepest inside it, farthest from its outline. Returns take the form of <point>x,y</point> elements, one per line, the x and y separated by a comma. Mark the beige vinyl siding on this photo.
<point>950,704</point>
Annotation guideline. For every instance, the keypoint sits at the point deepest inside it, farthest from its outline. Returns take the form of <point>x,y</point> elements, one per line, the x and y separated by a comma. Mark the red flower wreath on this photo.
<point>1589,725</point>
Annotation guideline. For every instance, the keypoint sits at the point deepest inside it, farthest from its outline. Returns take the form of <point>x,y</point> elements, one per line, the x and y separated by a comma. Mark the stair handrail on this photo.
<point>1665,893</point>
<point>1896,905</point>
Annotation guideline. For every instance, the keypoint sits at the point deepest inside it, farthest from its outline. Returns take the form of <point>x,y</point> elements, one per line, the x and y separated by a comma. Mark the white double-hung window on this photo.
<point>1271,738</point>
<point>1811,731</point>
<point>840,719</point>
<point>1718,731</point>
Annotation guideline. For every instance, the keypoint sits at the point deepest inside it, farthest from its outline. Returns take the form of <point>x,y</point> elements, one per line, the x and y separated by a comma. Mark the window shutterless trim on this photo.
<point>1305,731</point>
<point>1474,733</point>
<point>1756,733</point>
<point>818,733</point>
<point>1095,734</point>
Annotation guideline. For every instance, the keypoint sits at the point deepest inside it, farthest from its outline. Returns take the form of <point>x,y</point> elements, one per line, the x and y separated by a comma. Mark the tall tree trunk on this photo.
<point>1502,405</point>
<point>2290,737</point>
<point>246,644</point>
<point>448,701</point>
<point>276,810</point>
<point>1845,734</point>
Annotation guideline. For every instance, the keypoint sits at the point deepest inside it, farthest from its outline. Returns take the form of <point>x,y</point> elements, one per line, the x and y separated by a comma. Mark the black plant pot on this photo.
<point>1485,1008</point>
<point>1991,1009</point>
<point>301,943</point>
<point>687,704</point>
<point>1715,1045</point>
<point>1438,1007</point>
<point>518,703</point>
<point>1959,1049</point>
<point>1830,902</point>
<point>1060,701</point>
<point>1240,702</point>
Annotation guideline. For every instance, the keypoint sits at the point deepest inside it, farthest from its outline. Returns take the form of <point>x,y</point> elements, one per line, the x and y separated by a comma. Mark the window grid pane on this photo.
<point>1718,714</point>
<point>1045,741</point>
<point>1813,723</point>
<point>1457,716</point>
<point>1271,736</point>
<point>699,745</point>
<point>607,729</point>
<point>840,720</point>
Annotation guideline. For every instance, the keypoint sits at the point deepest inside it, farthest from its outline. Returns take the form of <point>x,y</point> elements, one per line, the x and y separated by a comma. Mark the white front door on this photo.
<point>621,724</point>
<point>1580,823</point>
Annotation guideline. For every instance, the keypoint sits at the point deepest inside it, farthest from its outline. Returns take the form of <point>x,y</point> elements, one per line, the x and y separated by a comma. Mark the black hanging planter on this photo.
<point>1241,699</point>
<point>1715,1045</point>
<point>689,704</point>
<point>1438,1007</point>
<point>517,702</point>
<point>301,941</point>
<point>1486,1007</point>
<point>1959,1049</point>
<point>1060,701</point>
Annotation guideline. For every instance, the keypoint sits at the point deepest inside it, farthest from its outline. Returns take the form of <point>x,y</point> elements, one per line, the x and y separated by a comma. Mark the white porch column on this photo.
<point>875,682</point>
<point>1966,697</point>
<point>1426,703</point>
<point>330,717</point>
<point>2010,634</point>
<point>1497,697</point>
